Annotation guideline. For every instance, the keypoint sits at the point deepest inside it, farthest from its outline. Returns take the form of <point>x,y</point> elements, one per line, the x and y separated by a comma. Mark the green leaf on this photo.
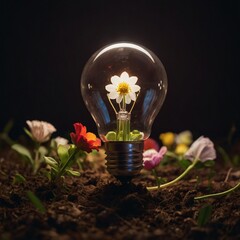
<point>161,180</point>
<point>36,202</point>
<point>51,161</point>
<point>28,133</point>
<point>111,136</point>
<point>8,126</point>
<point>236,160</point>
<point>184,163</point>
<point>63,153</point>
<point>135,131</point>
<point>171,154</point>
<point>82,155</point>
<point>209,163</point>
<point>199,165</point>
<point>18,178</point>
<point>73,173</point>
<point>23,151</point>
<point>224,155</point>
<point>135,136</point>
<point>55,170</point>
<point>204,215</point>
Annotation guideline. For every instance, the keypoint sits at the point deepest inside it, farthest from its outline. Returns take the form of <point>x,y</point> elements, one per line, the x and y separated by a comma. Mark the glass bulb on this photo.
<point>124,86</point>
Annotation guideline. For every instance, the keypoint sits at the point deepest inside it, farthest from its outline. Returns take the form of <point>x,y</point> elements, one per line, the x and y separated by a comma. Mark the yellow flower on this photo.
<point>167,138</point>
<point>181,149</point>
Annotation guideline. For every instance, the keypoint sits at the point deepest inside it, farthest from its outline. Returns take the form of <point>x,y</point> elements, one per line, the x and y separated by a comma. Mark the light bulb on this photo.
<point>124,86</point>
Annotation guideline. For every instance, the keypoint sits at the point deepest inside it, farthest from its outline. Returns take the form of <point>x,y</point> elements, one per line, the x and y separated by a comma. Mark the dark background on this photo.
<point>45,45</point>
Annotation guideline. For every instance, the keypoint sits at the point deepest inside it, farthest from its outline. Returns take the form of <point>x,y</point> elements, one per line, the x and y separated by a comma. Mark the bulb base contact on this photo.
<point>124,158</point>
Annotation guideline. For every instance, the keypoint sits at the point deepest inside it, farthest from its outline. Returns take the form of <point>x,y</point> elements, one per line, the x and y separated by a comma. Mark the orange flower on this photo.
<point>84,140</point>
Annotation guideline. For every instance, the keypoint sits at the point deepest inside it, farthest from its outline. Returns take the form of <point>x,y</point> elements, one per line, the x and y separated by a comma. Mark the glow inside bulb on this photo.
<point>124,86</point>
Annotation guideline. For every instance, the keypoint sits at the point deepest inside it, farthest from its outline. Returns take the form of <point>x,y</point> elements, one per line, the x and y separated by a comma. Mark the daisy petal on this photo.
<point>135,88</point>
<point>127,99</point>
<point>119,98</point>
<point>113,95</point>
<point>110,88</point>
<point>133,80</point>
<point>124,77</point>
<point>132,95</point>
<point>115,80</point>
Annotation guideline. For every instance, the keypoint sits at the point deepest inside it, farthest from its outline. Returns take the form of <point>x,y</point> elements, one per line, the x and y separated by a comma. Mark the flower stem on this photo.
<point>176,179</point>
<point>68,162</point>
<point>218,194</point>
<point>36,163</point>
<point>171,154</point>
<point>154,172</point>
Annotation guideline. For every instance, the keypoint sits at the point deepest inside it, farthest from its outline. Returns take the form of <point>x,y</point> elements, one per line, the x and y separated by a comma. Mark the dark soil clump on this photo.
<point>97,206</point>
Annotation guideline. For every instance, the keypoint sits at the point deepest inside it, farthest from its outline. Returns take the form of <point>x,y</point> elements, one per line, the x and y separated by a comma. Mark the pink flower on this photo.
<point>151,158</point>
<point>41,131</point>
<point>150,143</point>
<point>202,149</point>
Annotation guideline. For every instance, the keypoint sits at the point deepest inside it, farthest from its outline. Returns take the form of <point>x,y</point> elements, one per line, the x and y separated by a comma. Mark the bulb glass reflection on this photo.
<point>124,86</point>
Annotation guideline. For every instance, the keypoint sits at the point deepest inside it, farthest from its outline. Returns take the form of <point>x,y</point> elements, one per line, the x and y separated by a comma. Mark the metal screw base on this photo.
<point>124,159</point>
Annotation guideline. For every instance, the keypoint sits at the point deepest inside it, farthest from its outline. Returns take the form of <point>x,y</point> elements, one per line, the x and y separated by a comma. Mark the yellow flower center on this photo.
<point>123,88</point>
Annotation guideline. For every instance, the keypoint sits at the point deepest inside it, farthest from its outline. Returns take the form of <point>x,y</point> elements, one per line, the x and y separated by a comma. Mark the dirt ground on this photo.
<point>97,206</point>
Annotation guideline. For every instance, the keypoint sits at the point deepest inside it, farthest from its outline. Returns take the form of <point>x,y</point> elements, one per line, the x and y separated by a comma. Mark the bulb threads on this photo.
<point>124,158</point>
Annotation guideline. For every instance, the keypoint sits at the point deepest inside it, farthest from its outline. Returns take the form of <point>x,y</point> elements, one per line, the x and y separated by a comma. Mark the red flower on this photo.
<point>84,140</point>
<point>150,143</point>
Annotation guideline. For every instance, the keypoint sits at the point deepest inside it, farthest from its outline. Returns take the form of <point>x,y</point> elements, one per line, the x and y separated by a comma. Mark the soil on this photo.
<point>97,206</point>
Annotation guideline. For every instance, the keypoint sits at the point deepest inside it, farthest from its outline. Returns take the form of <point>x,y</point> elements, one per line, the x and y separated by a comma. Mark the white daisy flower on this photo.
<point>123,86</point>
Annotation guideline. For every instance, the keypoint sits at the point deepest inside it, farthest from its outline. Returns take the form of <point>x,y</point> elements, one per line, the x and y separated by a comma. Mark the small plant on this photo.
<point>151,159</point>
<point>62,164</point>
<point>200,151</point>
<point>18,179</point>
<point>230,157</point>
<point>204,215</point>
<point>4,134</point>
<point>40,132</point>
<point>229,160</point>
<point>83,141</point>
<point>219,194</point>
<point>36,202</point>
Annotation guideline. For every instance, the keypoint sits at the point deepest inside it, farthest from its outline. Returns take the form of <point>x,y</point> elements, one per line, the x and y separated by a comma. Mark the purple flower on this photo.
<point>202,149</point>
<point>151,158</point>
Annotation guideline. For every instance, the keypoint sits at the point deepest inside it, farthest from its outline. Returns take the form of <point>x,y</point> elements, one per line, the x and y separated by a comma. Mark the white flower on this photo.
<point>202,149</point>
<point>184,137</point>
<point>41,131</point>
<point>61,141</point>
<point>123,86</point>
